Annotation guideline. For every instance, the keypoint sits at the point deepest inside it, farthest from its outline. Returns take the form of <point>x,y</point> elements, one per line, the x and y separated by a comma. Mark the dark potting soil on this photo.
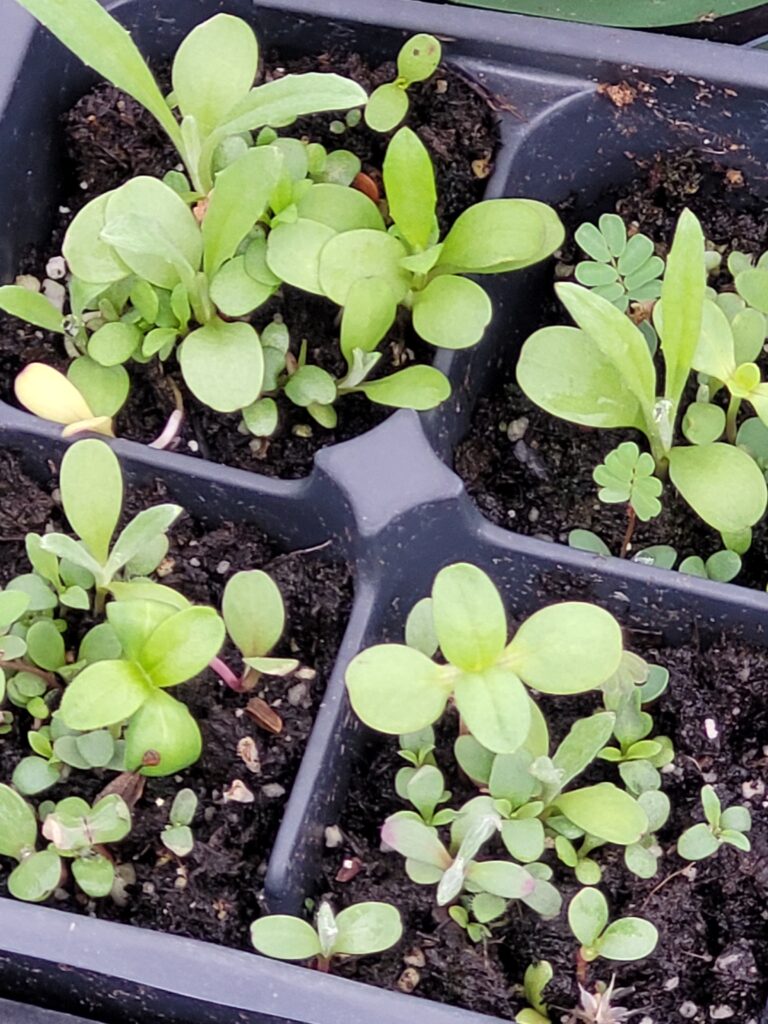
<point>712,959</point>
<point>539,482</point>
<point>213,893</point>
<point>110,138</point>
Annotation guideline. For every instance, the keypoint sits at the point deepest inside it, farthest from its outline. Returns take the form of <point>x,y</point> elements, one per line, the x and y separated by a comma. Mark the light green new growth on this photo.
<point>626,477</point>
<point>627,938</point>
<point>601,374</point>
<point>537,977</point>
<point>722,827</point>
<point>177,834</point>
<point>388,104</point>
<point>360,930</point>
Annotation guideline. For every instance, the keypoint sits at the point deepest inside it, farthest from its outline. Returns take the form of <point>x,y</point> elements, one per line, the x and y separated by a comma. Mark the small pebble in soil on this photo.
<point>333,837</point>
<point>721,1012</point>
<point>273,790</point>
<point>56,268</point>
<point>408,980</point>
<point>517,428</point>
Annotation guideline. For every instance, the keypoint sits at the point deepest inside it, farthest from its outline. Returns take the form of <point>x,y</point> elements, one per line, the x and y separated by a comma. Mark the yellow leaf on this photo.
<point>49,394</point>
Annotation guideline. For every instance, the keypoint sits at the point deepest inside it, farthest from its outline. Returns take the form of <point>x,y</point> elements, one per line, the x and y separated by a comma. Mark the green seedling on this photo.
<point>76,833</point>
<point>633,685</point>
<point>722,567</point>
<point>621,269</point>
<point>722,827</point>
<point>429,862</point>
<point>424,788</point>
<point>254,616</point>
<point>213,81</point>
<point>163,645</point>
<point>537,977</point>
<point>566,648</point>
<point>388,105</point>
<point>627,938</point>
<point>601,374</point>
<point>57,749</point>
<point>91,486</point>
<point>360,930</point>
<point>370,271</point>
<point>177,835</point>
<point>643,781</point>
<point>470,915</point>
<point>626,478</point>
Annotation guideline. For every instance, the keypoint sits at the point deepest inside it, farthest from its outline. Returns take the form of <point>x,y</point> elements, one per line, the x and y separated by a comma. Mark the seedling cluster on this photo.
<point>92,647</point>
<point>531,819</point>
<point>172,271</point>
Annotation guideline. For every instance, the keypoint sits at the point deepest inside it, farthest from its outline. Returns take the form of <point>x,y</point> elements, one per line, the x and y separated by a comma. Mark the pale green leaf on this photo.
<point>253,612</point>
<point>452,312</point>
<point>293,253</point>
<point>721,483</point>
<point>366,928</point>
<point>31,306</point>
<point>415,387</point>
<point>495,707</point>
<point>605,811</point>
<point>353,255</point>
<point>104,693</point>
<point>395,689</point>
<point>163,726</point>
<point>285,938</point>
<point>409,183</point>
<point>182,645</point>
<point>499,235</point>
<point>92,494</point>
<point>588,915</point>
<point>223,365</point>
<point>682,299</point>
<point>469,616</point>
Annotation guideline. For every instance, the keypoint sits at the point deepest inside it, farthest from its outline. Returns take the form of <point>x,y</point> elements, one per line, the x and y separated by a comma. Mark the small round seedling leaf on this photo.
<point>588,916</point>
<point>415,387</point>
<point>293,253</point>
<point>223,365</point>
<point>386,107</point>
<point>285,938</point>
<point>419,58</point>
<point>469,616</point>
<point>452,312</point>
<point>614,232</point>
<point>737,818</point>
<point>39,597</point>
<point>164,726</point>
<point>594,275</point>
<point>420,628</point>
<point>104,693</point>
<point>114,343</point>
<point>697,843</point>
<point>723,566</point>
<point>395,689</point>
<point>182,645</point>
<point>262,417</point>
<point>703,423</point>
<point>18,825</point>
<point>45,645</point>
<point>92,494</point>
<point>33,775</point>
<point>566,648</point>
<point>414,840</point>
<point>253,612</point>
<point>474,759</point>
<point>366,928</point>
<point>629,938</point>
<point>752,286</point>
<point>310,385</point>
<point>495,707</point>
<point>605,811</point>
<point>96,748</point>
<point>184,807</point>
<point>105,388</point>
<point>95,875</point>
<point>721,483</point>
<point>640,861</point>
<point>585,540</point>
<point>500,878</point>
<point>36,877</point>
<point>13,603</point>
<point>179,840</point>
<point>524,839</point>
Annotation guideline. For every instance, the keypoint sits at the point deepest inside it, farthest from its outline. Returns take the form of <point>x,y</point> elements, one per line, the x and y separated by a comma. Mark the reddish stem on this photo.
<point>581,969</point>
<point>632,516</point>
<point>226,675</point>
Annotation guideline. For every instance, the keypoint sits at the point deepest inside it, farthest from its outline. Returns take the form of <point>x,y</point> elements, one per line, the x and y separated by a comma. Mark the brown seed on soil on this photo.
<point>264,716</point>
<point>350,868</point>
<point>408,980</point>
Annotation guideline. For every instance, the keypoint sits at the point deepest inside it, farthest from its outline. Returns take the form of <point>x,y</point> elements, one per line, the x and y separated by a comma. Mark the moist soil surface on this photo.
<point>532,472</point>
<point>109,138</point>
<point>214,892</point>
<point>712,959</point>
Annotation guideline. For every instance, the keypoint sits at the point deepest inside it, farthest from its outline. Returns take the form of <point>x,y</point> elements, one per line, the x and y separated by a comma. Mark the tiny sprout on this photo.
<point>537,977</point>
<point>597,1008</point>
<point>722,827</point>
<point>177,834</point>
<point>628,938</point>
<point>254,615</point>
<point>360,930</point>
<point>416,62</point>
<point>626,477</point>
<point>78,832</point>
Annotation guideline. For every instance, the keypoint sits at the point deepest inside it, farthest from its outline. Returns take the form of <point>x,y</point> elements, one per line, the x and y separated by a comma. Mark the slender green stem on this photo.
<point>730,419</point>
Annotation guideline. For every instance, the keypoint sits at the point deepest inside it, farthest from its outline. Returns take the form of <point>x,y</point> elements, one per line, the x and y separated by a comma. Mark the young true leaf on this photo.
<point>416,62</point>
<point>626,476</point>
<point>628,938</point>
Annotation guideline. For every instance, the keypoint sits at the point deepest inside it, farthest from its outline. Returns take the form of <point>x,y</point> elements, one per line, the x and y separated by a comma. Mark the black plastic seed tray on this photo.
<point>388,500</point>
